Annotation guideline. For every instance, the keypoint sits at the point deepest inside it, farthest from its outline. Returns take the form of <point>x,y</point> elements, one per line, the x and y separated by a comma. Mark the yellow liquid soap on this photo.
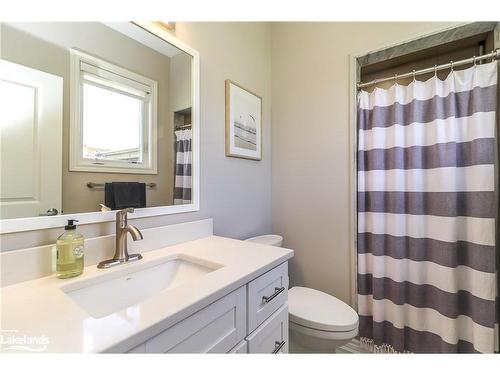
<point>70,247</point>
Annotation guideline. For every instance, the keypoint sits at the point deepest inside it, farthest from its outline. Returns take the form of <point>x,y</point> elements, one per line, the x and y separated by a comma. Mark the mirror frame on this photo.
<point>45,222</point>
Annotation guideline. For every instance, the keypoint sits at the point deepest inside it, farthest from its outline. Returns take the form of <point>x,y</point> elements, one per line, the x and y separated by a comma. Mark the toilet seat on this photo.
<point>315,310</point>
<point>323,335</point>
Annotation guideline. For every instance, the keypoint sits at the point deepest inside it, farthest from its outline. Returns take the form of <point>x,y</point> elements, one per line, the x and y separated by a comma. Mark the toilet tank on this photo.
<point>268,239</point>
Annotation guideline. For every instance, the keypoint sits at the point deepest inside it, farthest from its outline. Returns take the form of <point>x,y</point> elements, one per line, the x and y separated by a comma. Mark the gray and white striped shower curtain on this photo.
<point>427,214</point>
<point>183,166</point>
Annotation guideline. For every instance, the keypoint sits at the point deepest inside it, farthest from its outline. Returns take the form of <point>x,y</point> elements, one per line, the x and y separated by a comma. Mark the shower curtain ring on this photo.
<point>474,60</point>
<point>414,78</point>
<point>435,70</point>
<point>396,78</point>
<point>451,64</point>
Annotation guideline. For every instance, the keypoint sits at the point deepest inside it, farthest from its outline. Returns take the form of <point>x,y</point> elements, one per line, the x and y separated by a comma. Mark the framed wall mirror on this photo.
<point>96,117</point>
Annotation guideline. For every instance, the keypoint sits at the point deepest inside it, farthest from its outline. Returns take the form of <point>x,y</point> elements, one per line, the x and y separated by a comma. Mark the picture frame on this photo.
<point>243,122</point>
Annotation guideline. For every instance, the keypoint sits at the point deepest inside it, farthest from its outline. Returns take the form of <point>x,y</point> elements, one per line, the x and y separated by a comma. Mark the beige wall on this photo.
<point>236,193</point>
<point>49,53</point>
<point>310,141</point>
<point>180,82</point>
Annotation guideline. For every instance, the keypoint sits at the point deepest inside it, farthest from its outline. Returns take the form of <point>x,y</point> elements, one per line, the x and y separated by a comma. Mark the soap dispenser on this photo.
<point>69,252</point>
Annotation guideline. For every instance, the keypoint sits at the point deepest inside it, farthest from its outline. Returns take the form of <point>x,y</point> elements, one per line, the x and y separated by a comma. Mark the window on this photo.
<point>113,123</point>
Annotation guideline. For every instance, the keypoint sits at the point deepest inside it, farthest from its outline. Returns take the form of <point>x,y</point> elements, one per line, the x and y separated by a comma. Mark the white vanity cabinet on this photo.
<point>214,329</point>
<point>251,319</point>
<point>266,294</point>
<point>267,313</point>
<point>241,348</point>
<point>272,335</point>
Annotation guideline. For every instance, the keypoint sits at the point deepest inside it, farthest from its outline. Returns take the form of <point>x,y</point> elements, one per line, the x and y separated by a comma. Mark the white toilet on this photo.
<point>318,322</point>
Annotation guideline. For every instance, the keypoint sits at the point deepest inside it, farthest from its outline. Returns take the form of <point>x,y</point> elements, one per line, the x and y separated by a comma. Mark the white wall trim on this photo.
<point>353,201</point>
<point>35,223</point>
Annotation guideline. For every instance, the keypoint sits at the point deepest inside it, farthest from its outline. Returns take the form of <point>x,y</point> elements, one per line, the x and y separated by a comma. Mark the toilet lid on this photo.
<point>314,309</point>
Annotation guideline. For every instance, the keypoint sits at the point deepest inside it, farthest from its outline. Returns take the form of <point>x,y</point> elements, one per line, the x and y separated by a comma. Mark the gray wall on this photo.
<point>310,141</point>
<point>235,192</point>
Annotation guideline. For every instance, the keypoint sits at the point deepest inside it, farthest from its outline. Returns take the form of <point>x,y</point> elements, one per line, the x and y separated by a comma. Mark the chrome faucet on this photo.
<point>121,252</point>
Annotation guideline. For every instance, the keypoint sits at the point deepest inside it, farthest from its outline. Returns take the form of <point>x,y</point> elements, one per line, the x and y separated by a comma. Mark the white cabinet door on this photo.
<point>31,141</point>
<point>215,329</point>
<point>266,294</point>
<point>139,349</point>
<point>272,335</point>
<point>241,348</point>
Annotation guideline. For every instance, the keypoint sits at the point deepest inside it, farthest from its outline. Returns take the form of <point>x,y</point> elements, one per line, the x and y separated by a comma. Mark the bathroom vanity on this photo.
<point>208,295</point>
<point>251,319</point>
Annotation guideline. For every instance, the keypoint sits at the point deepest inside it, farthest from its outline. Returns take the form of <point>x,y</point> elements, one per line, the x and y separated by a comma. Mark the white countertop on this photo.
<point>40,308</point>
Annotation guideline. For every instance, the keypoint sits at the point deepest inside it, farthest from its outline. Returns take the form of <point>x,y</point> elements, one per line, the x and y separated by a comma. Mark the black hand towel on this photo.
<point>119,195</point>
<point>109,197</point>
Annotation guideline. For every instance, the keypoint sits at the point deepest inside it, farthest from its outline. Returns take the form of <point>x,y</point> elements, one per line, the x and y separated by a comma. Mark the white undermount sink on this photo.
<point>120,288</point>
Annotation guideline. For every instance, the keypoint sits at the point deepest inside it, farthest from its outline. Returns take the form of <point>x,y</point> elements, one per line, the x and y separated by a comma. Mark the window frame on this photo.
<point>85,66</point>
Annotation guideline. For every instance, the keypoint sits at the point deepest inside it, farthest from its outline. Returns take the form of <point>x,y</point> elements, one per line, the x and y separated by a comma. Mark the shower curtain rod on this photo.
<point>492,55</point>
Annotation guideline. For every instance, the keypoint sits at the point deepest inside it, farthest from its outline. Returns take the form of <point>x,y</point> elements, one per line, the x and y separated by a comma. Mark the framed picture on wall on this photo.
<point>243,122</point>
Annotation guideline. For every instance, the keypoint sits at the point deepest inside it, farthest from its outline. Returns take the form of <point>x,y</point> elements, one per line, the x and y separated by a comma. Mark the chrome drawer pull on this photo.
<point>278,347</point>
<point>274,295</point>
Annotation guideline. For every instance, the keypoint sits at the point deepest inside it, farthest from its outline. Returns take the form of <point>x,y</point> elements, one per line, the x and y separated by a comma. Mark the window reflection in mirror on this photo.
<point>105,114</point>
<point>114,122</point>
<point>96,116</point>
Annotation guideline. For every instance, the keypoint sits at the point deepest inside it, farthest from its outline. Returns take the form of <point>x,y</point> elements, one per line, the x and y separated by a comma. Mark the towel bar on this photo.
<point>92,185</point>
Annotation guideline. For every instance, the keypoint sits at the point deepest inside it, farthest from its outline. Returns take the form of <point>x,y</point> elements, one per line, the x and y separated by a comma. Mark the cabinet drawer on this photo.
<point>138,349</point>
<point>266,294</point>
<point>215,329</point>
<point>241,348</point>
<point>272,335</point>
